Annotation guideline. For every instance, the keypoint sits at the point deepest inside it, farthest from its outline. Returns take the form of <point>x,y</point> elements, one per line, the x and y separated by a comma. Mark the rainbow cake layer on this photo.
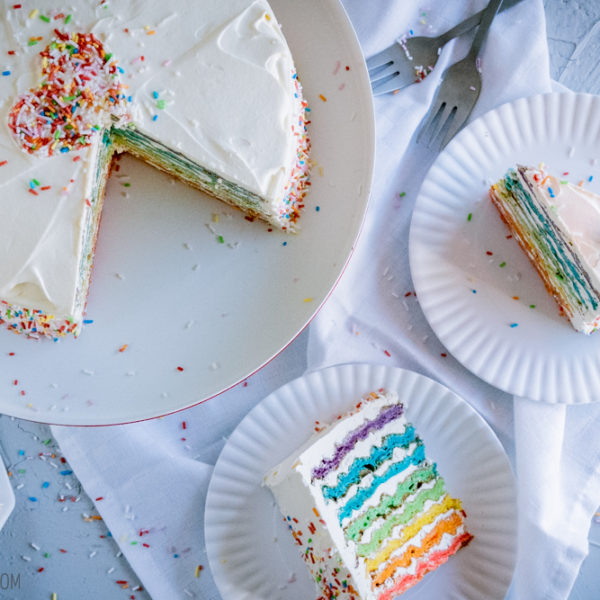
<point>202,89</point>
<point>368,510</point>
<point>556,224</point>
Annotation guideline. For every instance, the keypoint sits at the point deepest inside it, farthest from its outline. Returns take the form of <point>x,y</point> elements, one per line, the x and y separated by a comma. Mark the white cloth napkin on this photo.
<point>152,480</point>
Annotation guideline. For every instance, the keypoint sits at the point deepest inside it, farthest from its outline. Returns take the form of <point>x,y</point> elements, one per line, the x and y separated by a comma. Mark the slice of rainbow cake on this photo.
<point>369,512</point>
<point>557,225</point>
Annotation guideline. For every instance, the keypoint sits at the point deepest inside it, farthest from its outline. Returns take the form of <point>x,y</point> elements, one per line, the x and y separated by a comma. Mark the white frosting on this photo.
<point>362,448</point>
<point>225,73</point>
<point>388,487</point>
<point>576,212</point>
<point>296,500</point>
<point>417,540</point>
<point>445,543</point>
<point>375,524</point>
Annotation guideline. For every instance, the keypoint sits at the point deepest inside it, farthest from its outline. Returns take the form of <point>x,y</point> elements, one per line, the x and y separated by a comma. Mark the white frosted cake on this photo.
<point>205,90</point>
<point>369,512</point>
<point>557,224</point>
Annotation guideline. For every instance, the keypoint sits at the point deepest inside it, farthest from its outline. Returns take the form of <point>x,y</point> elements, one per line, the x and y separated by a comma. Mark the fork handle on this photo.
<point>486,21</point>
<point>470,23</point>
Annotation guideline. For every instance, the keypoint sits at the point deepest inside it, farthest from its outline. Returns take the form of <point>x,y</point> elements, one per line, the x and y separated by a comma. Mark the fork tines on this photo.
<point>384,70</point>
<point>438,125</point>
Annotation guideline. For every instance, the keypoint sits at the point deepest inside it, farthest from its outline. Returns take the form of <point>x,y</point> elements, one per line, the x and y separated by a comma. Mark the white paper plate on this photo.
<point>164,285</point>
<point>253,556</point>
<point>476,287</point>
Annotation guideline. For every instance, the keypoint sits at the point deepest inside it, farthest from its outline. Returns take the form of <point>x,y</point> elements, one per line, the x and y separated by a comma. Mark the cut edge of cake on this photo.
<point>398,523</point>
<point>541,211</point>
<point>280,210</point>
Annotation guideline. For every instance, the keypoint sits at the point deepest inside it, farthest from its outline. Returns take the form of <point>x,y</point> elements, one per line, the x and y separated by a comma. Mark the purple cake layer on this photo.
<point>387,414</point>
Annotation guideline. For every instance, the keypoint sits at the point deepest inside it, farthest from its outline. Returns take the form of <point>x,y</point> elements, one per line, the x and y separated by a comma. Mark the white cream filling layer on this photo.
<point>376,524</point>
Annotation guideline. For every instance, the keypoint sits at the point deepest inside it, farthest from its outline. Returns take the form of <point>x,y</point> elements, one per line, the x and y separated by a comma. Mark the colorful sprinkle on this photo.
<point>80,90</point>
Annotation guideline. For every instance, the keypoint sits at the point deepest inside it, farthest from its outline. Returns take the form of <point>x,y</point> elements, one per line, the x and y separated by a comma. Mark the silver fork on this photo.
<point>411,59</point>
<point>459,91</point>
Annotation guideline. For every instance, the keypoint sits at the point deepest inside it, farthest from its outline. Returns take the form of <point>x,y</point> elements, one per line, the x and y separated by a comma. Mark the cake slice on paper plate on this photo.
<point>369,511</point>
<point>557,225</point>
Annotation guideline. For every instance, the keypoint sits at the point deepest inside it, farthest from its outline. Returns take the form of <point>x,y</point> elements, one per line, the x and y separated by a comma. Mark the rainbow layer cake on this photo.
<point>369,512</point>
<point>202,89</point>
<point>557,224</point>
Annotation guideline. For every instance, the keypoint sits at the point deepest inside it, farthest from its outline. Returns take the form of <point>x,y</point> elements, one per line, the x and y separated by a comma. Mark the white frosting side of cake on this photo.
<point>576,212</point>
<point>177,52</point>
